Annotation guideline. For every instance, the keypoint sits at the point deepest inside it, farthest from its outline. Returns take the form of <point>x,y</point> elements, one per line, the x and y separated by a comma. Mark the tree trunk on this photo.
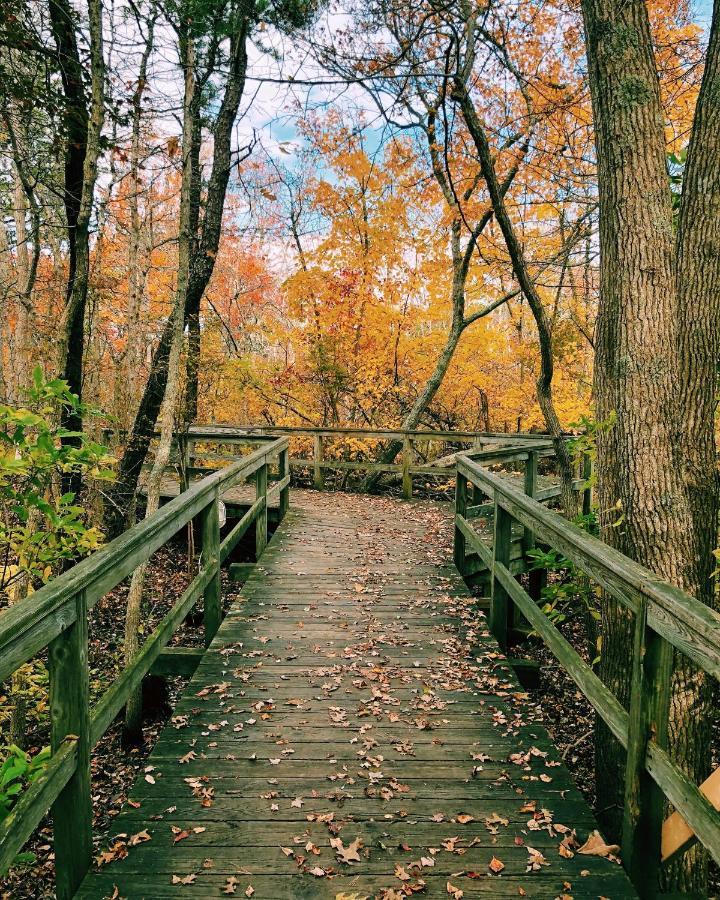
<point>203,242</point>
<point>171,388</point>
<point>642,379</point>
<point>82,149</point>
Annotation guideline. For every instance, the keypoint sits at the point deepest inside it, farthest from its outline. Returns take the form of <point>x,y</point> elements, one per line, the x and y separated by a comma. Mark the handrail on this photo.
<point>666,620</point>
<point>56,617</point>
<point>507,447</point>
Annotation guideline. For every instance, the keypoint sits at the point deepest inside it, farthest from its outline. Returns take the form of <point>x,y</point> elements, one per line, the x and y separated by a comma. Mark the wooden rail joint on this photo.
<point>56,616</point>
<point>666,621</point>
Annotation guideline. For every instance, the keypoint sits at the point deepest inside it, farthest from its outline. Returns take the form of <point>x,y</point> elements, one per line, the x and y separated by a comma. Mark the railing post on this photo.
<point>460,510</point>
<point>261,523</point>
<point>70,717</point>
<point>537,578</point>
<point>318,477</point>
<point>587,491</point>
<point>531,472</point>
<point>644,805</point>
<point>284,473</point>
<point>210,556</point>
<point>500,603</point>
<point>183,447</point>
<point>406,463</point>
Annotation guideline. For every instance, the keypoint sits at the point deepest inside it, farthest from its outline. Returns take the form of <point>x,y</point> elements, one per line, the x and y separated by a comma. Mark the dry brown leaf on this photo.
<point>596,846</point>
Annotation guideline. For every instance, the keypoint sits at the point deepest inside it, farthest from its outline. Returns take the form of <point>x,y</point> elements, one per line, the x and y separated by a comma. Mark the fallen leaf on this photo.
<point>596,846</point>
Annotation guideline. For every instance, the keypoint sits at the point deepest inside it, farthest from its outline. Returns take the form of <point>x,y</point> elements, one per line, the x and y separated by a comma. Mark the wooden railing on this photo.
<point>441,466</point>
<point>56,617</point>
<point>665,620</point>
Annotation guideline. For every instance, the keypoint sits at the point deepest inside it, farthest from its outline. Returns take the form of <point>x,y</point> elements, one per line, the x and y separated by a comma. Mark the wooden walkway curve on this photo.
<point>352,732</point>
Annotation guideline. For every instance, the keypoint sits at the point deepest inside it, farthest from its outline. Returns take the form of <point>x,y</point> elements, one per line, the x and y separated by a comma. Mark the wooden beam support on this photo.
<point>501,607</point>
<point>70,721</point>
<point>210,557</point>
<point>261,522</point>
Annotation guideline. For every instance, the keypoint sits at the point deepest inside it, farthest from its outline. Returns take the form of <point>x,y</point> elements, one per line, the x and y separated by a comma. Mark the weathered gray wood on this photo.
<point>27,627</point>
<point>531,477</point>
<point>210,558</point>
<point>696,809</point>
<point>459,533</point>
<point>285,481</point>
<point>113,700</point>
<point>500,602</point>
<point>241,571</point>
<point>36,800</point>
<point>70,721</point>
<point>407,453</point>
<point>602,699</point>
<point>177,661</point>
<point>687,624</point>
<point>318,477</point>
<point>644,806</point>
<point>261,521</point>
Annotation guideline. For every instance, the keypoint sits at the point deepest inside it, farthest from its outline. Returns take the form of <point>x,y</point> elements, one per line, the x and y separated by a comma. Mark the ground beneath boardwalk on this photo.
<point>353,732</point>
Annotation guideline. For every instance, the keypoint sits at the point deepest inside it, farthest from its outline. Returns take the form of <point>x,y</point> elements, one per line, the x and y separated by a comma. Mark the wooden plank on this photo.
<point>602,699</point>
<point>70,721</point>
<point>261,520</point>
<point>22,820</point>
<point>500,599</point>
<point>459,549</point>
<point>677,835</point>
<point>231,540</point>
<point>114,699</point>
<point>318,478</point>
<point>407,453</point>
<point>697,809</point>
<point>28,627</point>
<point>353,678</point>
<point>648,720</point>
<point>210,559</point>
<point>177,661</point>
<point>687,624</point>
<point>284,460</point>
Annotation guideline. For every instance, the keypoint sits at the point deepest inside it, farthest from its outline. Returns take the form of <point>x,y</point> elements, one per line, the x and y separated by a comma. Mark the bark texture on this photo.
<point>200,243</point>
<point>655,367</point>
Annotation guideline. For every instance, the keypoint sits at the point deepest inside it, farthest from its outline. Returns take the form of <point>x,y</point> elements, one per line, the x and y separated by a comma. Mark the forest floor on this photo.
<point>565,712</point>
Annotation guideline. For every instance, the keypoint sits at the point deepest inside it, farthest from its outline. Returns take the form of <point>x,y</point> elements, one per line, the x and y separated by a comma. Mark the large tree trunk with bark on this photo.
<point>83,127</point>
<point>655,366</point>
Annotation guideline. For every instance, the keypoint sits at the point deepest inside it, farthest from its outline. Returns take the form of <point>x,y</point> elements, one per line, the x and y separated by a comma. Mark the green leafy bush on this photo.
<point>19,770</point>
<point>40,526</point>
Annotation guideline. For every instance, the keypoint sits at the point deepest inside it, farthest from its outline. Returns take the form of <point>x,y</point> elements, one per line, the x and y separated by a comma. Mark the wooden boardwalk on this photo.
<point>353,732</point>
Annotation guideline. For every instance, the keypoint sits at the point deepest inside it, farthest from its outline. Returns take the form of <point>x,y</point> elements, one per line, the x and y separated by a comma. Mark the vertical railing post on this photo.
<point>407,486</point>
<point>210,557</point>
<point>644,806</point>
<point>261,523</point>
<point>500,603</point>
<point>537,578</point>
<point>587,490</point>
<point>183,448</point>
<point>318,477</point>
<point>460,510</point>
<point>531,473</point>
<point>284,473</point>
<point>70,719</point>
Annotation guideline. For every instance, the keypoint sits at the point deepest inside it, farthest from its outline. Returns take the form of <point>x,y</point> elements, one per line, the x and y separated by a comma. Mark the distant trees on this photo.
<point>212,49</point>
